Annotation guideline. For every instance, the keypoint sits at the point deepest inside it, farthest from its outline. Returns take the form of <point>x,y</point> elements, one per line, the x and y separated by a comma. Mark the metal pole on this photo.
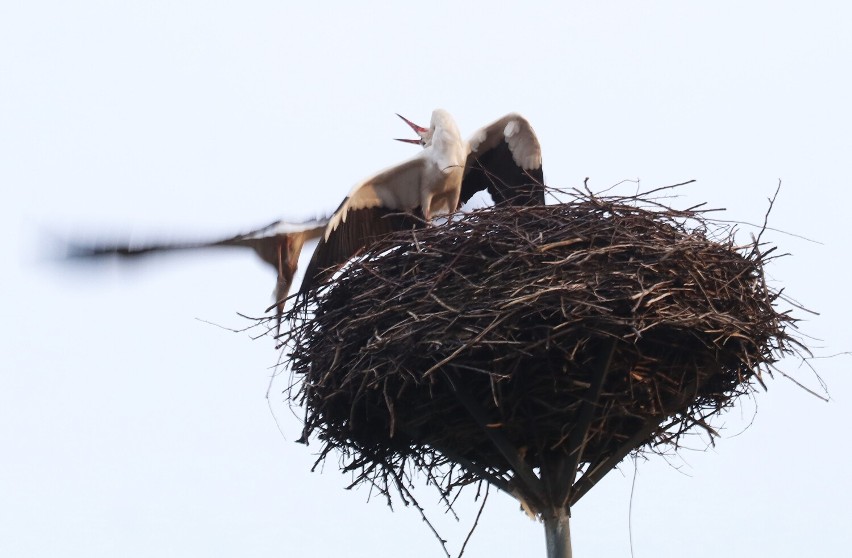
<point>557,534</point>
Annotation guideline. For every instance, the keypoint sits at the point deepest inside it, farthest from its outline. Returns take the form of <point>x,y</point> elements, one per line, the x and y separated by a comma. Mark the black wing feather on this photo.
<point>496,171</point>
<point>361,229</point>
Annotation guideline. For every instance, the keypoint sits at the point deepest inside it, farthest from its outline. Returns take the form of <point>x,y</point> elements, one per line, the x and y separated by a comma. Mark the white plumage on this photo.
<point>431,180</point>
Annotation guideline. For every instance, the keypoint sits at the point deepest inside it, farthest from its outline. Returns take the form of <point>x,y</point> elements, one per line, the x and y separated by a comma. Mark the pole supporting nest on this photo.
<point>557,534</point>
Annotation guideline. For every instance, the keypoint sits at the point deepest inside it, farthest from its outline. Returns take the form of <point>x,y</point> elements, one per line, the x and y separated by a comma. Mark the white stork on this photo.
<point>503,157</point>
<point>278,244</point>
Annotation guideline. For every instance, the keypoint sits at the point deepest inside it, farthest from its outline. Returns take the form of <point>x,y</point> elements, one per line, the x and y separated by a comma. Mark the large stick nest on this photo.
<point>578,331</point>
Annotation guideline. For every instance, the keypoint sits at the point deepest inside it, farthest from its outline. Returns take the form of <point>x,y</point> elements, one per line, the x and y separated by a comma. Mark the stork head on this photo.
<point>424,133</point>
<point>441,120</point>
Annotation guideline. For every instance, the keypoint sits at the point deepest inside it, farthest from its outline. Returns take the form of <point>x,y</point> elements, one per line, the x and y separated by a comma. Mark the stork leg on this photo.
<point>453,201</point>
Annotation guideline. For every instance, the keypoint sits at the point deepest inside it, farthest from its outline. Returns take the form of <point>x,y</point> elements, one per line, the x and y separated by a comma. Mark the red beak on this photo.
<point>419,129</point>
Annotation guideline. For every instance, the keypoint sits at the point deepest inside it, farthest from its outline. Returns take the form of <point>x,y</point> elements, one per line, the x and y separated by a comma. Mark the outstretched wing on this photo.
<point>278,244</point>
<point>505,159</point>
<point>377,206</point>
<point>264,241</point>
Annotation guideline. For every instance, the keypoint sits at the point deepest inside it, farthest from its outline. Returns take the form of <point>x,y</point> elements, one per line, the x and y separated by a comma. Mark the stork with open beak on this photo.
<point>279,244</point>
<point>503,157</point>
<point>385,202</point>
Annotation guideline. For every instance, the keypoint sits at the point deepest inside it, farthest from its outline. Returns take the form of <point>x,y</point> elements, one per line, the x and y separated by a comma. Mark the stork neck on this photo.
<point>448,147</point>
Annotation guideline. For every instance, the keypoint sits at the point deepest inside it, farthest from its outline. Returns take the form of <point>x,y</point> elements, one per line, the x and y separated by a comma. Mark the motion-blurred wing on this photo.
<point>374,208</point>
<point>278,244</point>
<point>505,159</point>
<point>265,241</point>
<point>278,238</point>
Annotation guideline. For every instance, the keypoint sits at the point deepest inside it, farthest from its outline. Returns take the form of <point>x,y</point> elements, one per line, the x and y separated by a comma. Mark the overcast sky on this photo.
<point>131,426</point>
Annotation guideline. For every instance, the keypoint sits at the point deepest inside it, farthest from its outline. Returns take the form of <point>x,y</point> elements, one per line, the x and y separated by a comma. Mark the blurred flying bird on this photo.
<point>278,244</point>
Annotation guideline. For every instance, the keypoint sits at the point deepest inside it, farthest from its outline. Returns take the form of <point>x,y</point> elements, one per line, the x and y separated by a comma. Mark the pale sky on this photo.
<point>130,426</point>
